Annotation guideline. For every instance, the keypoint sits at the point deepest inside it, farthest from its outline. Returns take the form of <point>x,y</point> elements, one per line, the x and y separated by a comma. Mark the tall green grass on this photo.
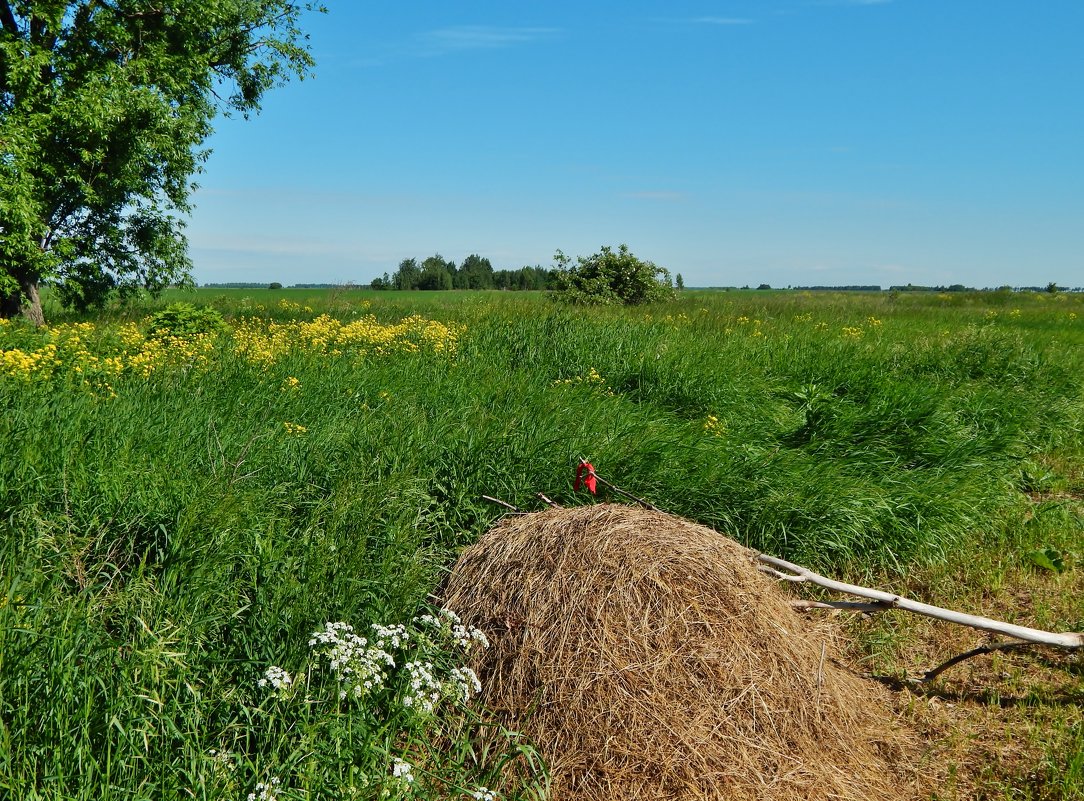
<point>161,548</point>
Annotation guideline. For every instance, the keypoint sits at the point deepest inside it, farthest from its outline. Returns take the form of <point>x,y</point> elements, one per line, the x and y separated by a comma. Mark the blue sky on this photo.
<point>793,142</point>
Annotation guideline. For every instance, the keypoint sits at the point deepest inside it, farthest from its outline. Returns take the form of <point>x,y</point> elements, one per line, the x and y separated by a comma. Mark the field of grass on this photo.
<point>180,513</point>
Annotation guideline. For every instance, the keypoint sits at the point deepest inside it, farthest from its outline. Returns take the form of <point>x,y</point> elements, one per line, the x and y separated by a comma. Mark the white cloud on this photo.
<point>454,39</point>
<point>476,37</point>
<point>721,21</point>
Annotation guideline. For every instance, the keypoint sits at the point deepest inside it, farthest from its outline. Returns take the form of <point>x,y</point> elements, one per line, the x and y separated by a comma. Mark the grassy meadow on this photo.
<point>181,511</point>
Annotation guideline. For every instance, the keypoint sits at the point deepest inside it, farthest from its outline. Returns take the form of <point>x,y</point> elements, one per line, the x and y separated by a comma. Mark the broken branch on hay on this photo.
<point>799,574</point>
<point>548,501</point>
<point>505,504</point>
<point>619,491</point>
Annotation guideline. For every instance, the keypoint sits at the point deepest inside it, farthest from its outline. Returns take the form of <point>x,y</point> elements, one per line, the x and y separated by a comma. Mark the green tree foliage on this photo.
<point>476,272</point>
<point>525,278</point>
<point>104,109</point>
<point>611,278</point>
<point>679,282</point>
<point>436,273</point>
<point>407,276</point>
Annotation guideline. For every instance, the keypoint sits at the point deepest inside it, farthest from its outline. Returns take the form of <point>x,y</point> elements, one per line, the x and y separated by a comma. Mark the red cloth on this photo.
<point>585,474</point>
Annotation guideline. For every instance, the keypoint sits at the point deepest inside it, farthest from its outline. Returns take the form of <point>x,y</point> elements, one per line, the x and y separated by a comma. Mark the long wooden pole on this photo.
<point>797,573</point>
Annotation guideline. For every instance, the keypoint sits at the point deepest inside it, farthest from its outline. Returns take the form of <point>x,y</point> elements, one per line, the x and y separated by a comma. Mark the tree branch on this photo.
<point>37,29</point>
<point>797,573</point>
<point>619,491</point>
<point>7,18</point>
<point>505,504</point>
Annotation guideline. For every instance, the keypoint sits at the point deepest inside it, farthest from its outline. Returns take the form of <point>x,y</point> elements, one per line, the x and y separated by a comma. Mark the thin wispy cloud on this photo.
<point>476,37</point>
<point>721,21</point>
<point>455,39</point>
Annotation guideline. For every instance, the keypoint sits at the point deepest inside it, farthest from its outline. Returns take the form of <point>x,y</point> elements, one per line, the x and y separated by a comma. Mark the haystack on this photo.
<point>648,659</point>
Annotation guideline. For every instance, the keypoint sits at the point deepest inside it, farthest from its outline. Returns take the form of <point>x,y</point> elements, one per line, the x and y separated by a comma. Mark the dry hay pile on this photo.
<point>649,659</point>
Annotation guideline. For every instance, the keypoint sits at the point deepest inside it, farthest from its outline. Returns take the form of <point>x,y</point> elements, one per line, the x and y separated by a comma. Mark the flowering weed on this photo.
<point>395,692</point>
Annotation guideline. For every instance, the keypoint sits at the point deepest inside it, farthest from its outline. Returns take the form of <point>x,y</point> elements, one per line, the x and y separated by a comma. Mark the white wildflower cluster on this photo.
<point>266,792</point>
<point>394,636</point>
<point>425,689</point>
<point>464,683</point>
<point>361,665</point>
<point>484,794</point>
<point>403,771</point>
<point>364,665</point>
<point>449,623</point>
<point>276,678</point>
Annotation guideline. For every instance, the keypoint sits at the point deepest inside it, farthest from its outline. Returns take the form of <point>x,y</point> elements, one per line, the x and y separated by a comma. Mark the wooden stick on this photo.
<point>547,501</point>
<point>617,489</point>
<point>797,573</point>
<point>506,505</point>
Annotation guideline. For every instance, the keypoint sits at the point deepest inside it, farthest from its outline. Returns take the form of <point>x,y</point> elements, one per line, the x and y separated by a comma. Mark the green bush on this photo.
<point>611,279</point>
<point>185,320</point>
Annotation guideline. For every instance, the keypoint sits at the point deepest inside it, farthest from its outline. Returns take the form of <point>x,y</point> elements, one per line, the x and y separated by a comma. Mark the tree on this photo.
<point>608,278</point>
<point>104,110</point>
<point>274,285</point>
<point>407,276</point>
<point>476,272</point>
<point>436,273</point>
<point>679,282</point>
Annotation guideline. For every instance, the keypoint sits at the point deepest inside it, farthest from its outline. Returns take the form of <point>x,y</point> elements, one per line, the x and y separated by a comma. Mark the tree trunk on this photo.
<point>25,301</point>
<point>31,307</point>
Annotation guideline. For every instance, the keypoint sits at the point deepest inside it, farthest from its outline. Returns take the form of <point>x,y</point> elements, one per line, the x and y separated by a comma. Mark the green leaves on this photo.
<point>185,320</point>
<point>1048,559</point>
<point>608,278</point>
<point>104,108</point>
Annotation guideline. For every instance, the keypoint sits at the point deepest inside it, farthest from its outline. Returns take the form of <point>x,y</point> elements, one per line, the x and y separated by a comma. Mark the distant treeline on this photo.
<point>277,285</point>
<point>1051,287</point>
<point>950,288</point>
<point>475,272</point>
<point>237,285</point>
